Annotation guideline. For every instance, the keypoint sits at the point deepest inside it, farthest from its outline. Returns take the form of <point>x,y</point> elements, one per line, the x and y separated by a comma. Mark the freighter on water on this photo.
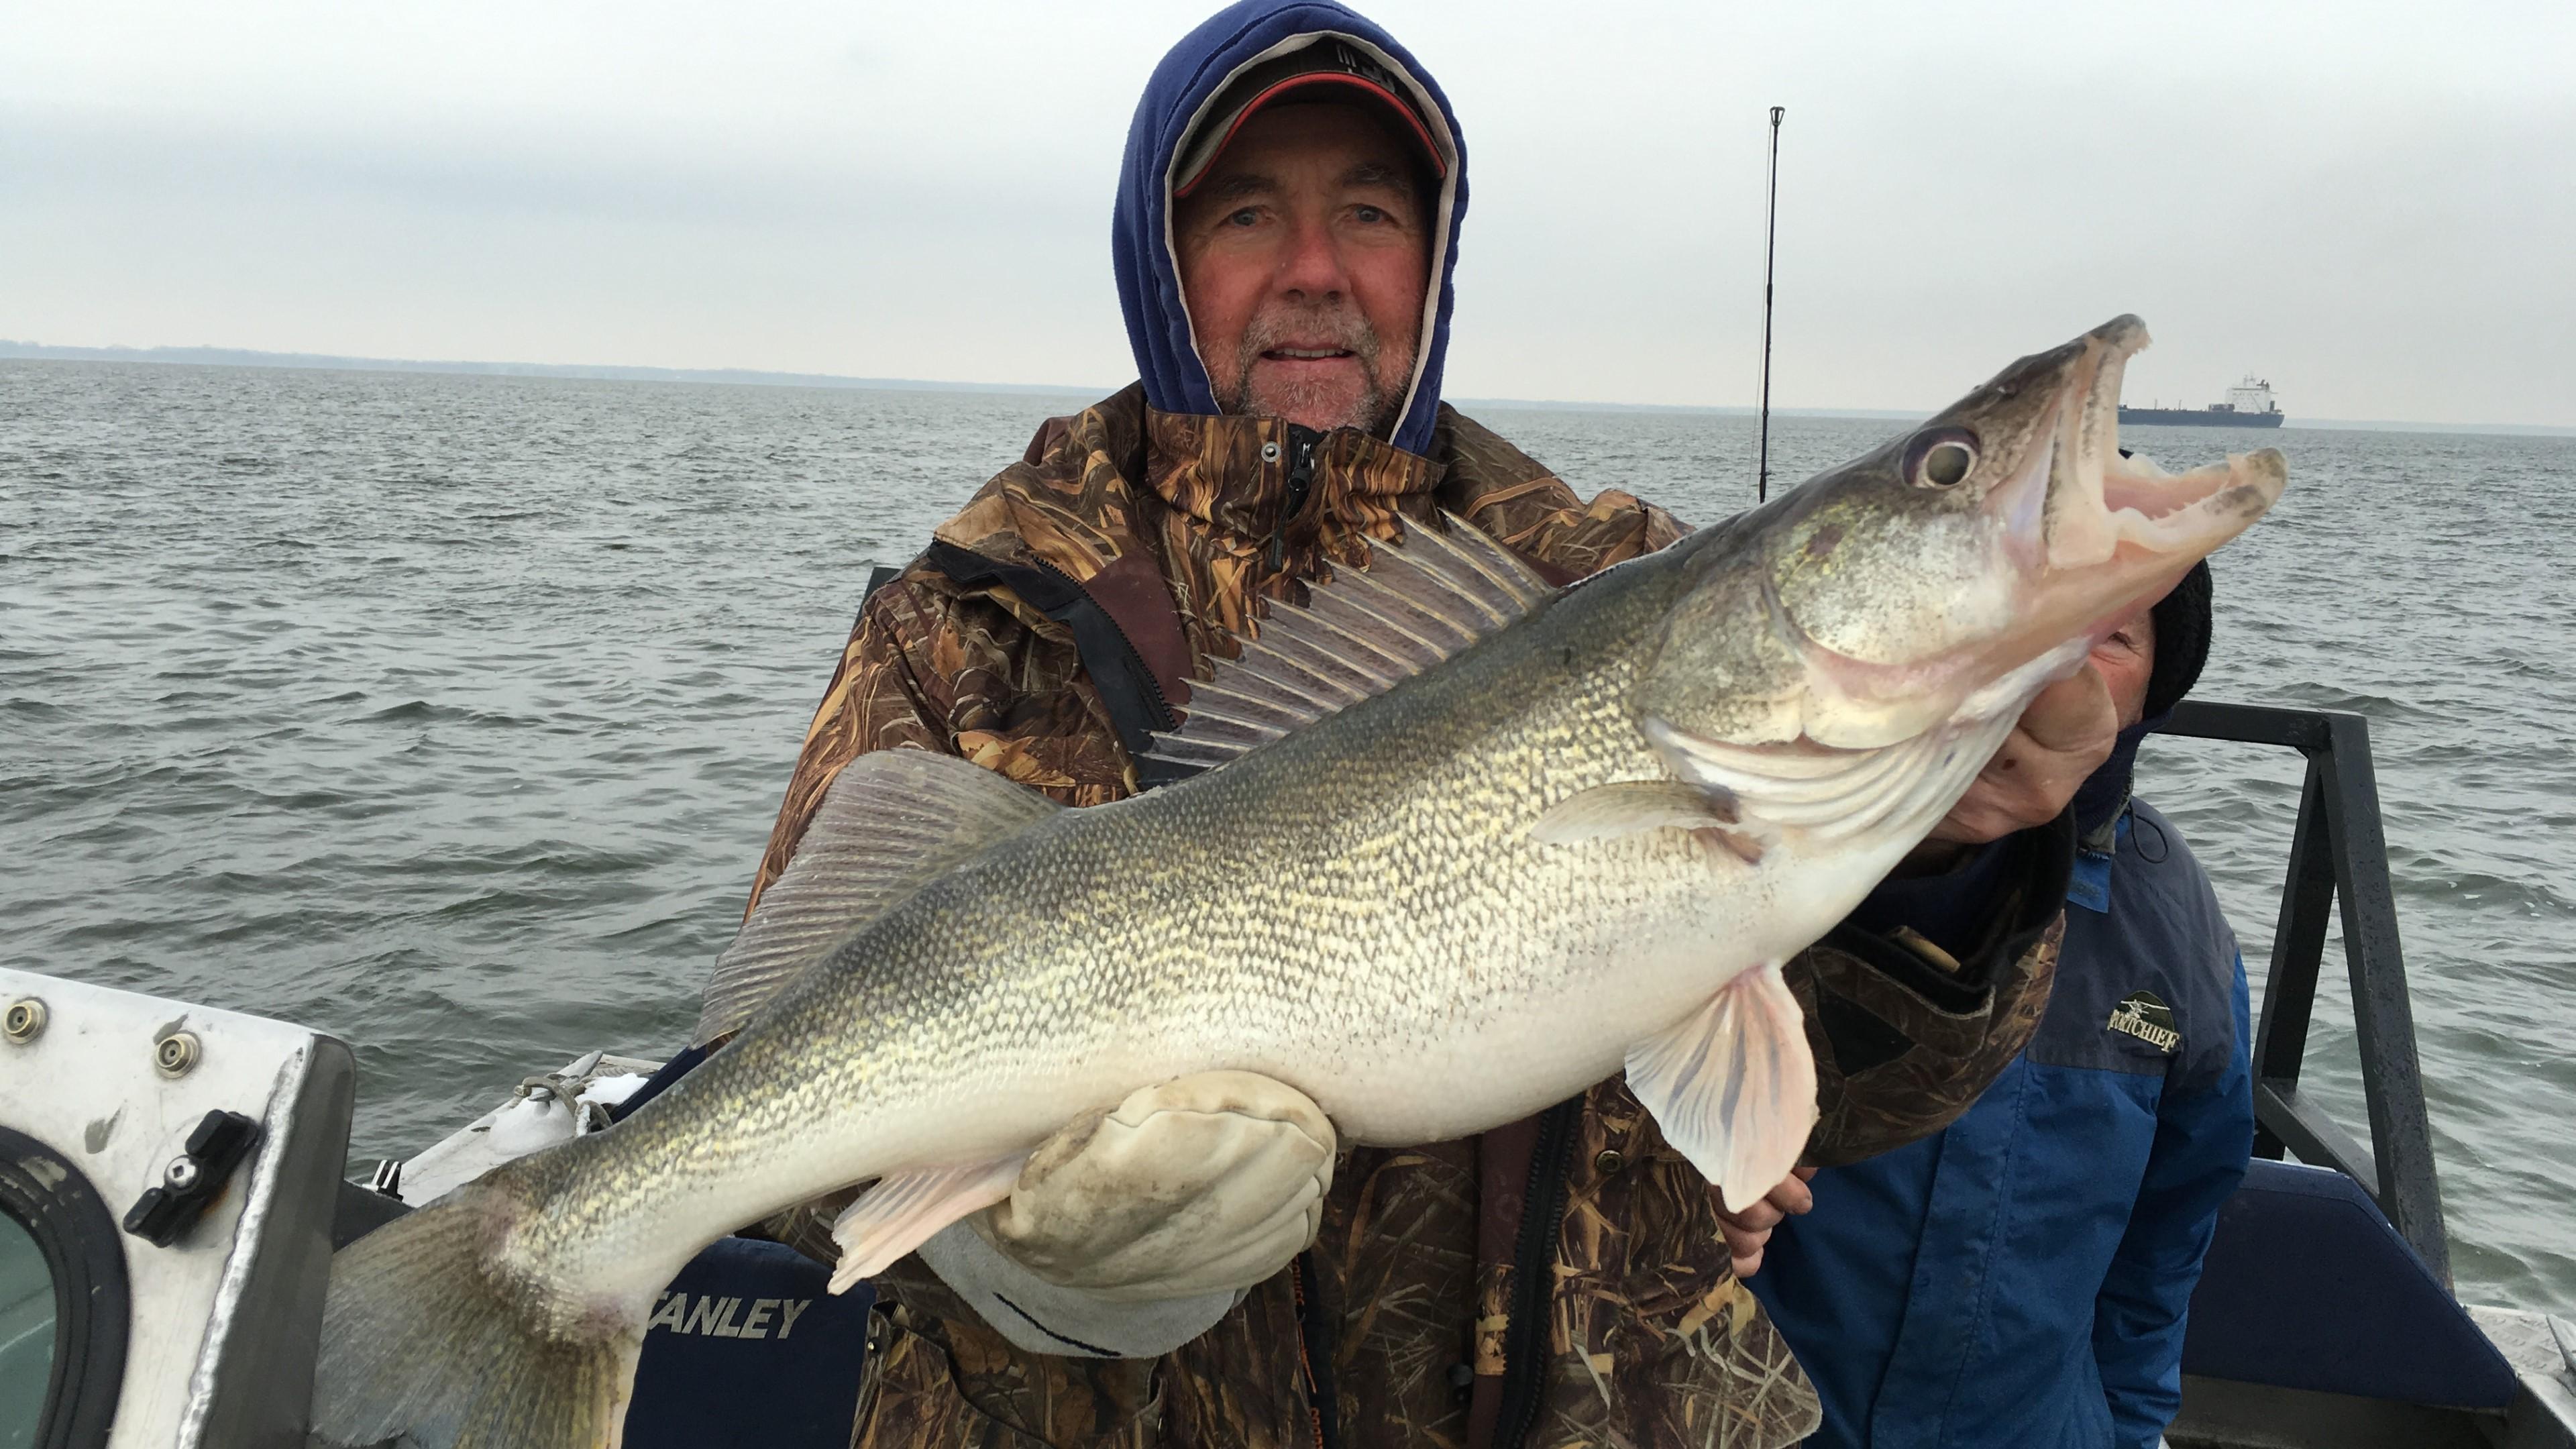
<point>2249,405</point>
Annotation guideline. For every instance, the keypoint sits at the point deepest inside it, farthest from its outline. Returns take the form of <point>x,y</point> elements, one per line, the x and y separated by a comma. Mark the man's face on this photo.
<point>1304,256</point>
<point>2126,658</point>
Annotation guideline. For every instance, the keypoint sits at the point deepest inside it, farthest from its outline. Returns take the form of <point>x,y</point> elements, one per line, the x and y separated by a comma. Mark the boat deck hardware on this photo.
<point>175,1055</point>
<point>193,1180</point>
<point>24,1022</point>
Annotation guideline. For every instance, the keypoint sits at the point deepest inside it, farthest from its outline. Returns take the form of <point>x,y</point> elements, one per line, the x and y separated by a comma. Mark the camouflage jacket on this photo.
<point>1420,1317</point>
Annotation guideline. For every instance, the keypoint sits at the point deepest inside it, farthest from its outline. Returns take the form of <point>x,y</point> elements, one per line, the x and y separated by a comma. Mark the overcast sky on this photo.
<point>2372,204</point>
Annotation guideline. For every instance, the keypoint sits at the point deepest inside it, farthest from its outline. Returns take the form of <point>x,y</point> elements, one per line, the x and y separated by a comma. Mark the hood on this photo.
<point>1189,78</point>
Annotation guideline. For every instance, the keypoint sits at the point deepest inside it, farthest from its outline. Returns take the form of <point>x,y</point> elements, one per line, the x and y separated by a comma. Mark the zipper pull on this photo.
<point>1302,443</point>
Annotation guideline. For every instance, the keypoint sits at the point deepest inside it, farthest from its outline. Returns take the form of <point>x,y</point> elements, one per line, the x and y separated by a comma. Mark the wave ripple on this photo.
<point>449,714</point>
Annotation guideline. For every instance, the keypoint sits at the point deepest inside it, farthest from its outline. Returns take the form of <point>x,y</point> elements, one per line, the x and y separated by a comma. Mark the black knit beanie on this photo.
<point>2182,641</point>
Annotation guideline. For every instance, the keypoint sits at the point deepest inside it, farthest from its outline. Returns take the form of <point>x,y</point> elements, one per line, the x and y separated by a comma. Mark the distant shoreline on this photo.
<point>749,377</point>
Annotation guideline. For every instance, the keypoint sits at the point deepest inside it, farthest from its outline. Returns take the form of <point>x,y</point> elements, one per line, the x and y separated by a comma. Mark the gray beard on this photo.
<point>1387,370</point>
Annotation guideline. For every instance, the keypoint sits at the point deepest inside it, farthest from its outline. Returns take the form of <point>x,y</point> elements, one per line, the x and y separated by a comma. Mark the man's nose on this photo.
<point>1311,269</point>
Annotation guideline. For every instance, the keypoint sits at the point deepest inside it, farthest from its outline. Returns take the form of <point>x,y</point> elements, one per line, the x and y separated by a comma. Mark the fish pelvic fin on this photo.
<point>1733,1085</point>
<point>427,1341</point>
<point>904,1210</point>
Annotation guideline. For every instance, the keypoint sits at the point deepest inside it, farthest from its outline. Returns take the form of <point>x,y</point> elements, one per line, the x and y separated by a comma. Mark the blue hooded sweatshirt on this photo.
<point>1192,75</point>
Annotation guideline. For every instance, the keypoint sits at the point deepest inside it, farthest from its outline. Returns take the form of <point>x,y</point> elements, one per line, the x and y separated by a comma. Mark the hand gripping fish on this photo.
<point>1473,845</point>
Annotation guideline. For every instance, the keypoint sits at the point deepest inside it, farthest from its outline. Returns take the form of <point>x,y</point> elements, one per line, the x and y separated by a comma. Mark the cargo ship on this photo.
<point>2249,405</point>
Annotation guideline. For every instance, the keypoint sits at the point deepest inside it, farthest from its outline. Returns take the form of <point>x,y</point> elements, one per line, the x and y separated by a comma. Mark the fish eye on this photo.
<point>1940,458</point>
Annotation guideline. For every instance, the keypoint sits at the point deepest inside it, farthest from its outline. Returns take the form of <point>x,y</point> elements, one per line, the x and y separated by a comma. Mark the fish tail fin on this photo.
<point>429,1340</point>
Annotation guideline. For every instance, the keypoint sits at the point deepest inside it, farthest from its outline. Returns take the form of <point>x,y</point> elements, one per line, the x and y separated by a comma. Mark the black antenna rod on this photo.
<point>1770,249</point>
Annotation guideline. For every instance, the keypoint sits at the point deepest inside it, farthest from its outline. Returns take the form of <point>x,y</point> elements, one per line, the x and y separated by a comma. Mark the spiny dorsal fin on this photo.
<point>892,821</point>
<point>1418,603</point>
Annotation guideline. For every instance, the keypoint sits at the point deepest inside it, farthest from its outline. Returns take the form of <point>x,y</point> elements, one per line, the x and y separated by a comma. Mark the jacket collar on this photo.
<point>1238,475</point>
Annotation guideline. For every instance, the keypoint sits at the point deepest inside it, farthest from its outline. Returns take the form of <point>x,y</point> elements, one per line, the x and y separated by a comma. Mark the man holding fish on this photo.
<point>1282,1104</point>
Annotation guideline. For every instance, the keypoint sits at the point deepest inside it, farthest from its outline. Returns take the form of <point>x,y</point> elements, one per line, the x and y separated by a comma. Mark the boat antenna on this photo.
<point>1770,249</point>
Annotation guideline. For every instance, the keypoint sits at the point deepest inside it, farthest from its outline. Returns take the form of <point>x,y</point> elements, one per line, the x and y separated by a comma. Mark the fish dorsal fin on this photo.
<point>1418,603</point>
<point>891,821</point>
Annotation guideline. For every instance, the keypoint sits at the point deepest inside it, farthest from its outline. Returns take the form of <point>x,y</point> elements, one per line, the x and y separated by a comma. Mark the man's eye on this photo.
<point>1371,214</point>
<point>1246,217</point>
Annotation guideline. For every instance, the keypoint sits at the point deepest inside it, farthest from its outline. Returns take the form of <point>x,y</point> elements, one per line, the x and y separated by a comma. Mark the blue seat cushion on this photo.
<point>748,1347</point>
<point>2308,1287</point>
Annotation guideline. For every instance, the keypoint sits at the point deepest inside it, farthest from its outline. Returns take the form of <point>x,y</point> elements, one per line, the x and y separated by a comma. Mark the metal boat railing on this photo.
<point>2338,854</point>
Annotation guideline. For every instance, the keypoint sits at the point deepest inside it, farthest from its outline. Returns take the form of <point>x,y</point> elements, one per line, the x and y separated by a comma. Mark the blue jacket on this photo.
<point>2021,1278</point>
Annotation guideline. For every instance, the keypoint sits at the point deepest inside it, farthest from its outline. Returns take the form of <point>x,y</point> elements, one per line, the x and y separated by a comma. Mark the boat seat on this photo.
<point>725,1361</point>
<point>2307,1286</point>
<point>749,1347</point>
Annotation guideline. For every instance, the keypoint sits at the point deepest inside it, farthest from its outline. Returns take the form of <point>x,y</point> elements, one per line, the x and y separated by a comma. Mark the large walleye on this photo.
<point>1484,846</point>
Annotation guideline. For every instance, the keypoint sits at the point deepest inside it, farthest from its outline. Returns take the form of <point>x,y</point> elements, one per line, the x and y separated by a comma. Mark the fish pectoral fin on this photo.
<point>1606,812</point>
<point>1733,1085</point>
<point>901,1212</point>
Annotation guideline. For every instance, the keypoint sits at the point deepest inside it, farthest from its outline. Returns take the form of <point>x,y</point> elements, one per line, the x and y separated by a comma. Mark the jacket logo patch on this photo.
<point>2142,1014</point>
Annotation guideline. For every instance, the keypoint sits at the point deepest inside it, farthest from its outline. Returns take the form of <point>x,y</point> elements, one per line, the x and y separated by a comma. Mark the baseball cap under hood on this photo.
<point>1179,100</point>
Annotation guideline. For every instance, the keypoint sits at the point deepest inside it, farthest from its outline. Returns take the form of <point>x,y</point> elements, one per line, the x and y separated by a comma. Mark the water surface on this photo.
<point>449,714</point>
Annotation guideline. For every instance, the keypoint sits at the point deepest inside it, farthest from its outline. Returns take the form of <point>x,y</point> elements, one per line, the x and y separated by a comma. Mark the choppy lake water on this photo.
<point>449,714</point>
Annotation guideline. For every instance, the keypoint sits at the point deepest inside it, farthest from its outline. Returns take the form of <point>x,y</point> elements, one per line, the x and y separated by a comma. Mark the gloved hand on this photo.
<point>1201,1184</point>
<point>1132,1232</point>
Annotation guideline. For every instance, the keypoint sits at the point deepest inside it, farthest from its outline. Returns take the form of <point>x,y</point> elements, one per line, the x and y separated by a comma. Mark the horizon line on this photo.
<point>210,356</point>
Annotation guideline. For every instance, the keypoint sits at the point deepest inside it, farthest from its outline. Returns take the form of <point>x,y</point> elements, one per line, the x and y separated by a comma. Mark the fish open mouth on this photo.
<point>2064,545</point>
<point>2095,533</point>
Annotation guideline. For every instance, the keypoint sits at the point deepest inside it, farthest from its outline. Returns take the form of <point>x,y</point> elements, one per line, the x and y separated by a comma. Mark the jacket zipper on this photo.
<point>1302,443</point>
<point>1315,1334</point>
<point>1525,1336</point>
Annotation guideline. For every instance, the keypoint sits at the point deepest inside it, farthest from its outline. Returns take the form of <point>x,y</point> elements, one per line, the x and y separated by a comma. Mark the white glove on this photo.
<point>1133,1226</point>
<point>1204,1183</point>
